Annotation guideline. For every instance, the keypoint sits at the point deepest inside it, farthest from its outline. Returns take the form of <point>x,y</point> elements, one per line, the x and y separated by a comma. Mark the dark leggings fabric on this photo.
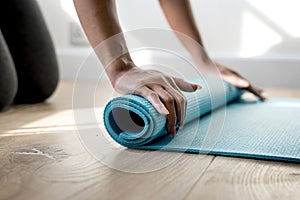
<point>28,65</point>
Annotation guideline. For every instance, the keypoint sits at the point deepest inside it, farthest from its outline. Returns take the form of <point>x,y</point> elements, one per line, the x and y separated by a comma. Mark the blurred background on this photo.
<point>258,38</point>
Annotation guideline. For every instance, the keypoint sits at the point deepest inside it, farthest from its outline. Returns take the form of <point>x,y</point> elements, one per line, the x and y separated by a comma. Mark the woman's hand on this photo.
<point>239,81</point>
<point>163,91</point>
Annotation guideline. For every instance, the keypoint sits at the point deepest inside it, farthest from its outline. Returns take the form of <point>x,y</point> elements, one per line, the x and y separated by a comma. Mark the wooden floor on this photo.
<point>42,158</point>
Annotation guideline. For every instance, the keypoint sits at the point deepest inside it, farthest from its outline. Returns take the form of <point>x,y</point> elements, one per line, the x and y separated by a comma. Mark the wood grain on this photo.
<point>42,157</point>
<point>236,178</point>
<point>74,174</point>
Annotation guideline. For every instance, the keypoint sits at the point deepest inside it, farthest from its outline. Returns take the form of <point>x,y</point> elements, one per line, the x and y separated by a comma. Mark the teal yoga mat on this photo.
<point>265,130</point>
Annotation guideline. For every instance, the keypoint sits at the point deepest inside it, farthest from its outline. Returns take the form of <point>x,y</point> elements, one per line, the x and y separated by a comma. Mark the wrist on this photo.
<point>200,55</point>
<point>118,68</point>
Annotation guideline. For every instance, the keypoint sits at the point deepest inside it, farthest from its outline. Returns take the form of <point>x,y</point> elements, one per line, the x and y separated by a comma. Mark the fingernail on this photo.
<point>181,125</point>
<point>198,87</point>
<point>264,94</point>
<point>173,132</point>
<point>243,83</point>
<point>164,110</point>
<point>262,97</point>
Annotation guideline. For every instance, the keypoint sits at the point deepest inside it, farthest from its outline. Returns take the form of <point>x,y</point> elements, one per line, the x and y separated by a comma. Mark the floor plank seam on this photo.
<point>200,177</point>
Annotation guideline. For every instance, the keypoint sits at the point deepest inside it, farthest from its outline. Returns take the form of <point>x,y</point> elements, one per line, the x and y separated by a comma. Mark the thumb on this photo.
<point>236,80</point>
<point>185,86</point>
<point>242,83</point>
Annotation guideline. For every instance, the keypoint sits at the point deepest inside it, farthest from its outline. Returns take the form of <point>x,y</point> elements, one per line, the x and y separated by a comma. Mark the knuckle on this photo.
<point>179,79</point>
<point>142,82</point>
<point>138,91</point>
<point>182,99</point>
<point>146,93</point>
<point>169,100</point>
<point>152,95</point>
<point>179,97</point>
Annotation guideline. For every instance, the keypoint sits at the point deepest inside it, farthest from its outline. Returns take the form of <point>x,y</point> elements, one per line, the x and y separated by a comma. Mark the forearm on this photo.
<point>100,22</point>
<point>180,17</point>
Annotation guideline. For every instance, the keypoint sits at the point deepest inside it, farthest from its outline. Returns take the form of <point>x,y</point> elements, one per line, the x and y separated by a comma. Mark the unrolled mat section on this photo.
<point>218,122</point>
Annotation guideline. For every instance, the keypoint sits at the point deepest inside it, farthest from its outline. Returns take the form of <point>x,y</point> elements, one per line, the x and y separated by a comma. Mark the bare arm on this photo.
<point>100,22</point>
<point>180,17</point>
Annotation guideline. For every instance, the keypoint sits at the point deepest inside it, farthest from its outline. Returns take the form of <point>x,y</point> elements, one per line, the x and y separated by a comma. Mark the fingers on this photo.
<point>257,92</point>
<point>257,89</point>
<point>236,80</point>
<point>233,77</point>
<point>245,84</point>
<point>170,103</point>
<point>181,105</point>
<point>153,98</point>
<point>239,81</point>
<point>242,83</point>
<point>163,102</point>
<point>185,86</point>
<point>168,100</point>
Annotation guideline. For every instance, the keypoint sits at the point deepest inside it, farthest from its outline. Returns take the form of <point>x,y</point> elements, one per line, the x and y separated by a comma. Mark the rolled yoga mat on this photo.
<point>253,129</point>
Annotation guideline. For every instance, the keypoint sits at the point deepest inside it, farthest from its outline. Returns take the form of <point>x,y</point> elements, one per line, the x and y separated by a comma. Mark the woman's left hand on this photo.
<point>239,81</point>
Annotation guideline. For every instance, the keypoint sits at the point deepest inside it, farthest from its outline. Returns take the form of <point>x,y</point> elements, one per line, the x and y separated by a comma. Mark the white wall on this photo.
<point>252,35</point>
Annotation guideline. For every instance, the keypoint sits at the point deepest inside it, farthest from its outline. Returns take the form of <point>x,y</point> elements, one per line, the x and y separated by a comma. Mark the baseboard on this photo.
<point>265,71</point>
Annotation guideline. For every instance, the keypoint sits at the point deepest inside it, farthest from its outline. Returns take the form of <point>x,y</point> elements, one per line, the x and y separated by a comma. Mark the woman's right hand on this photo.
<point>164,92</point>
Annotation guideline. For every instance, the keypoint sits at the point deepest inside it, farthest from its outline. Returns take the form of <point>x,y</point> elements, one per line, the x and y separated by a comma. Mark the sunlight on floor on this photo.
<point>61,121</point>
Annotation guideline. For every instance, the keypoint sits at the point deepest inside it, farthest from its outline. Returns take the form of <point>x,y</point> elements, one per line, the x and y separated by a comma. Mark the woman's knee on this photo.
<point>8,77</point>
<point>8,90</point>
<point>37,87</point>
<point>32,50</point>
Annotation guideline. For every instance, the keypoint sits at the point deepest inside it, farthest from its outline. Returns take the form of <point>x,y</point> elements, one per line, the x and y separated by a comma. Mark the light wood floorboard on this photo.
<point>42,157</point>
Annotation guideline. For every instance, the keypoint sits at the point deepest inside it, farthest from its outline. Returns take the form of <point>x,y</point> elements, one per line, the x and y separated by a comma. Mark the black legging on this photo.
<point>28,64</point>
